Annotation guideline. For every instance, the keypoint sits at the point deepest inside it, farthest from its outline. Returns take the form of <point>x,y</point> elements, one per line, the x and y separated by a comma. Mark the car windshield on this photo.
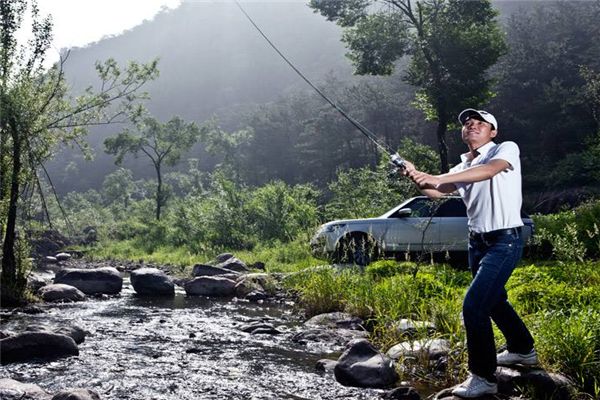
<point>422,207</point>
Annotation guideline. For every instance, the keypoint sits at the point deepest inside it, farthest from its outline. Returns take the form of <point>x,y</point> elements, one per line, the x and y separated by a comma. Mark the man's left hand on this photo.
<point>425,180</point>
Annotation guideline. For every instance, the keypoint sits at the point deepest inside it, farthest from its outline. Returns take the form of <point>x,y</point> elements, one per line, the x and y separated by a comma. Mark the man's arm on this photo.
<point>428,190</point>
<point>475,174</point>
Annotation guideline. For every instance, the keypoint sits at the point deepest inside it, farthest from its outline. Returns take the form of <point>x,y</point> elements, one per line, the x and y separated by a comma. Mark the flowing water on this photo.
<point>179,348</point>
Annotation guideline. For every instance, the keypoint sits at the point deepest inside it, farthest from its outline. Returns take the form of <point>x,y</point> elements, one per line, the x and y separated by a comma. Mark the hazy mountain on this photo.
<point>211,58</point>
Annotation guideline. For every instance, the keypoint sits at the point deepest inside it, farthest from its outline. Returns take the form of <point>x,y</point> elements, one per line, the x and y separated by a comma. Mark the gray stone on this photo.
<point>152,282</point>
<point>50,260</point>
<point>335,320</point>
<point>15,390</point>
<point>249,283</point>
<point>362,365</point>
<point>106,280</point>
<point>209,270</point>
<point>223,257</point>
<point>256,296</point>
<point>402,393</point>
<point>31,345</point>
<point>76,394</point>
<point>233,264</point>
<point>61,292</point>
<point>537,382</point>
<point>409,327</point>
<point>35,282</point>
<point>74,332</point>
<point>430,348</point>
<point>325,365</point>
<point>63,256</point>
<point>210,286</point>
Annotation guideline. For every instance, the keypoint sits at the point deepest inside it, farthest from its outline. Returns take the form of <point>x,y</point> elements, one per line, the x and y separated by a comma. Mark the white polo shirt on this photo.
<point>494,203</point>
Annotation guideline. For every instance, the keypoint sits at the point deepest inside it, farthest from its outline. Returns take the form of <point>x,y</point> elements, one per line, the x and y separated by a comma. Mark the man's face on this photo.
<point>476,133</point>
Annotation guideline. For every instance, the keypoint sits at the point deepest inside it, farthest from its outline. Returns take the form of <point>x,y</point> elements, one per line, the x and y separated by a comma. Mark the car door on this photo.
<point>415,232</point>
<point>451,216</point>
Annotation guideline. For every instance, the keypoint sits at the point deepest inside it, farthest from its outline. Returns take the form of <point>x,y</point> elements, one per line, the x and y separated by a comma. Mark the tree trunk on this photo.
<point>441,134</point>
<point>9,264</point>
<point>158,191</point>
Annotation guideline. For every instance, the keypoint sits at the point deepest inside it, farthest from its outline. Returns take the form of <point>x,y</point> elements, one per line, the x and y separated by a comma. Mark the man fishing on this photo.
<point>489,181</point>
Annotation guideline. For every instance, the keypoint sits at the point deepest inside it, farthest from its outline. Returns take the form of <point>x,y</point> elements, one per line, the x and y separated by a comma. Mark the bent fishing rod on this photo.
<point>395,158</point>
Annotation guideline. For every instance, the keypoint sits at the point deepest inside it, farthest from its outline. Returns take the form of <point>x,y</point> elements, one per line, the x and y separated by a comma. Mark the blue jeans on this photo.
<point>492,262</point>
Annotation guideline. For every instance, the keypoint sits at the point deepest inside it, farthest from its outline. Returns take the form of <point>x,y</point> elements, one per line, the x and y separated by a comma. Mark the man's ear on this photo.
<point>493,133</point>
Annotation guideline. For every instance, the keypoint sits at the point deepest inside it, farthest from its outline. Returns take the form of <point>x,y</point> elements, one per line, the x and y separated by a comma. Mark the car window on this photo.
<point>451,208</point>
<point>421,208</point>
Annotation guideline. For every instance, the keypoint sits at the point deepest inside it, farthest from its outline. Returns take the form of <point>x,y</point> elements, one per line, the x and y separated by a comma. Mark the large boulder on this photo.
<point>76,394</point>
<point>251,283</point>
<point>60,292</point>
<point>431,349</point>
<point>15,390</point>
<point>210,286</point>
<point>362,365</point>
<point>233,264</point>
<point>74,332</point>
<point>335,320</point>
<point>106,280</point>
<point>31,345</point>
<point>209,270</point>
<point>152,282</point>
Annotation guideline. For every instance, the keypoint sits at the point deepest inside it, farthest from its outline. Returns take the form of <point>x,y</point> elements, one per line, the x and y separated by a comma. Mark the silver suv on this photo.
<point>418,226</point>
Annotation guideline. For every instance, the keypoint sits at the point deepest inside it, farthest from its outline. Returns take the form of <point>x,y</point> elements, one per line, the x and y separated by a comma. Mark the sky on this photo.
<point>80,22</point>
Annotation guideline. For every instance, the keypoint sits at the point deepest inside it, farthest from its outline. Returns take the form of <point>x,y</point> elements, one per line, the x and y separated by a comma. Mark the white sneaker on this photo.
<point>475,386</point>
<point>507,358</point>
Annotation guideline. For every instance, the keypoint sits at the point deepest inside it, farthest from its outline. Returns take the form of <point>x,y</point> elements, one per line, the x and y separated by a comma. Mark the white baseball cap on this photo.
<point>483,115</point>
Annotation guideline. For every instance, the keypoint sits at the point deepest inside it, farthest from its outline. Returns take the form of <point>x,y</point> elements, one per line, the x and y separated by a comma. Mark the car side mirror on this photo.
<point>403,213</point>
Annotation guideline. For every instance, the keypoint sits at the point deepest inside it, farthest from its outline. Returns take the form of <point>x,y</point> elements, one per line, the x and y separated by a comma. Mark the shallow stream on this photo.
<point>179,348</point>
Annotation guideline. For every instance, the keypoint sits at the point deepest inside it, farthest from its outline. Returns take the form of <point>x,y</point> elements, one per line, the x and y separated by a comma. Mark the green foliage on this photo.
<point>574,235</point>
<point>569,342</point>
<point>280,212</point>
<point>360,193</point>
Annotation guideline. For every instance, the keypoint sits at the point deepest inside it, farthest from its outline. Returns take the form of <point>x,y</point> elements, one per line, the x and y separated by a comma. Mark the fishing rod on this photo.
<point>395,158</point>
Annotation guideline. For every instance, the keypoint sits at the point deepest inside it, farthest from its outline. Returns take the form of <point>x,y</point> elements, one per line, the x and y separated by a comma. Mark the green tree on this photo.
<point>451,44</point>
<point>37,113</point>
<point>118,187</point>
<point>164,144</point>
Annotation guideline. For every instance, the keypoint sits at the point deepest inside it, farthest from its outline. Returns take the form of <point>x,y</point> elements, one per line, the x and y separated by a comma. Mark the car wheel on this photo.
<point>359,250</point>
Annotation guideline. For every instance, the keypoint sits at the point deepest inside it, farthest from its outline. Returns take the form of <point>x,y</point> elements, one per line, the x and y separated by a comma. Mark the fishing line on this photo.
<point>364,130</point>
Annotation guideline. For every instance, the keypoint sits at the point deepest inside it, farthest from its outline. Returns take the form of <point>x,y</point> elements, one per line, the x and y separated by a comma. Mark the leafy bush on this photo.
<point>573,235</point>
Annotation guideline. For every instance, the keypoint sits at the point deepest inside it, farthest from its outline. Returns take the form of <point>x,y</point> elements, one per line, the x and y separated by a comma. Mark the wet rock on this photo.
<point>5,334</point>
<point>335,320</point>
<point>402,393</point>
<point>31,345</point>
<point>50,260</point>
<point>74,332</point>
<point>537,382</point>
<point>35,282</point>
<point>256,325</point>
<point>61,292</point>
<point>210,286</point>
<point>233,264</point>
<point>266,331</point>
<point>209,270</point>
<point>249,283</point>
<point>257,265</point>
<point>152,282</point>
<point>223,257</point>
<point>48,242</point>
<point>256,296</point>
<point>325,365</point>
<point>330,337</point>
<point>15,390</point>
<point>63,256</point>
<point>430,348</point>
<point>106,280</point>
<point>76,394</point>
<point>410,328</point>
<point>32,310</point>
<point>362,365</point>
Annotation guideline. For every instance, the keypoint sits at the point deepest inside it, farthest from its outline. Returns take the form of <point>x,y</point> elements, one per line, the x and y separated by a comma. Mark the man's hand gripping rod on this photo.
<point>397,161</point>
